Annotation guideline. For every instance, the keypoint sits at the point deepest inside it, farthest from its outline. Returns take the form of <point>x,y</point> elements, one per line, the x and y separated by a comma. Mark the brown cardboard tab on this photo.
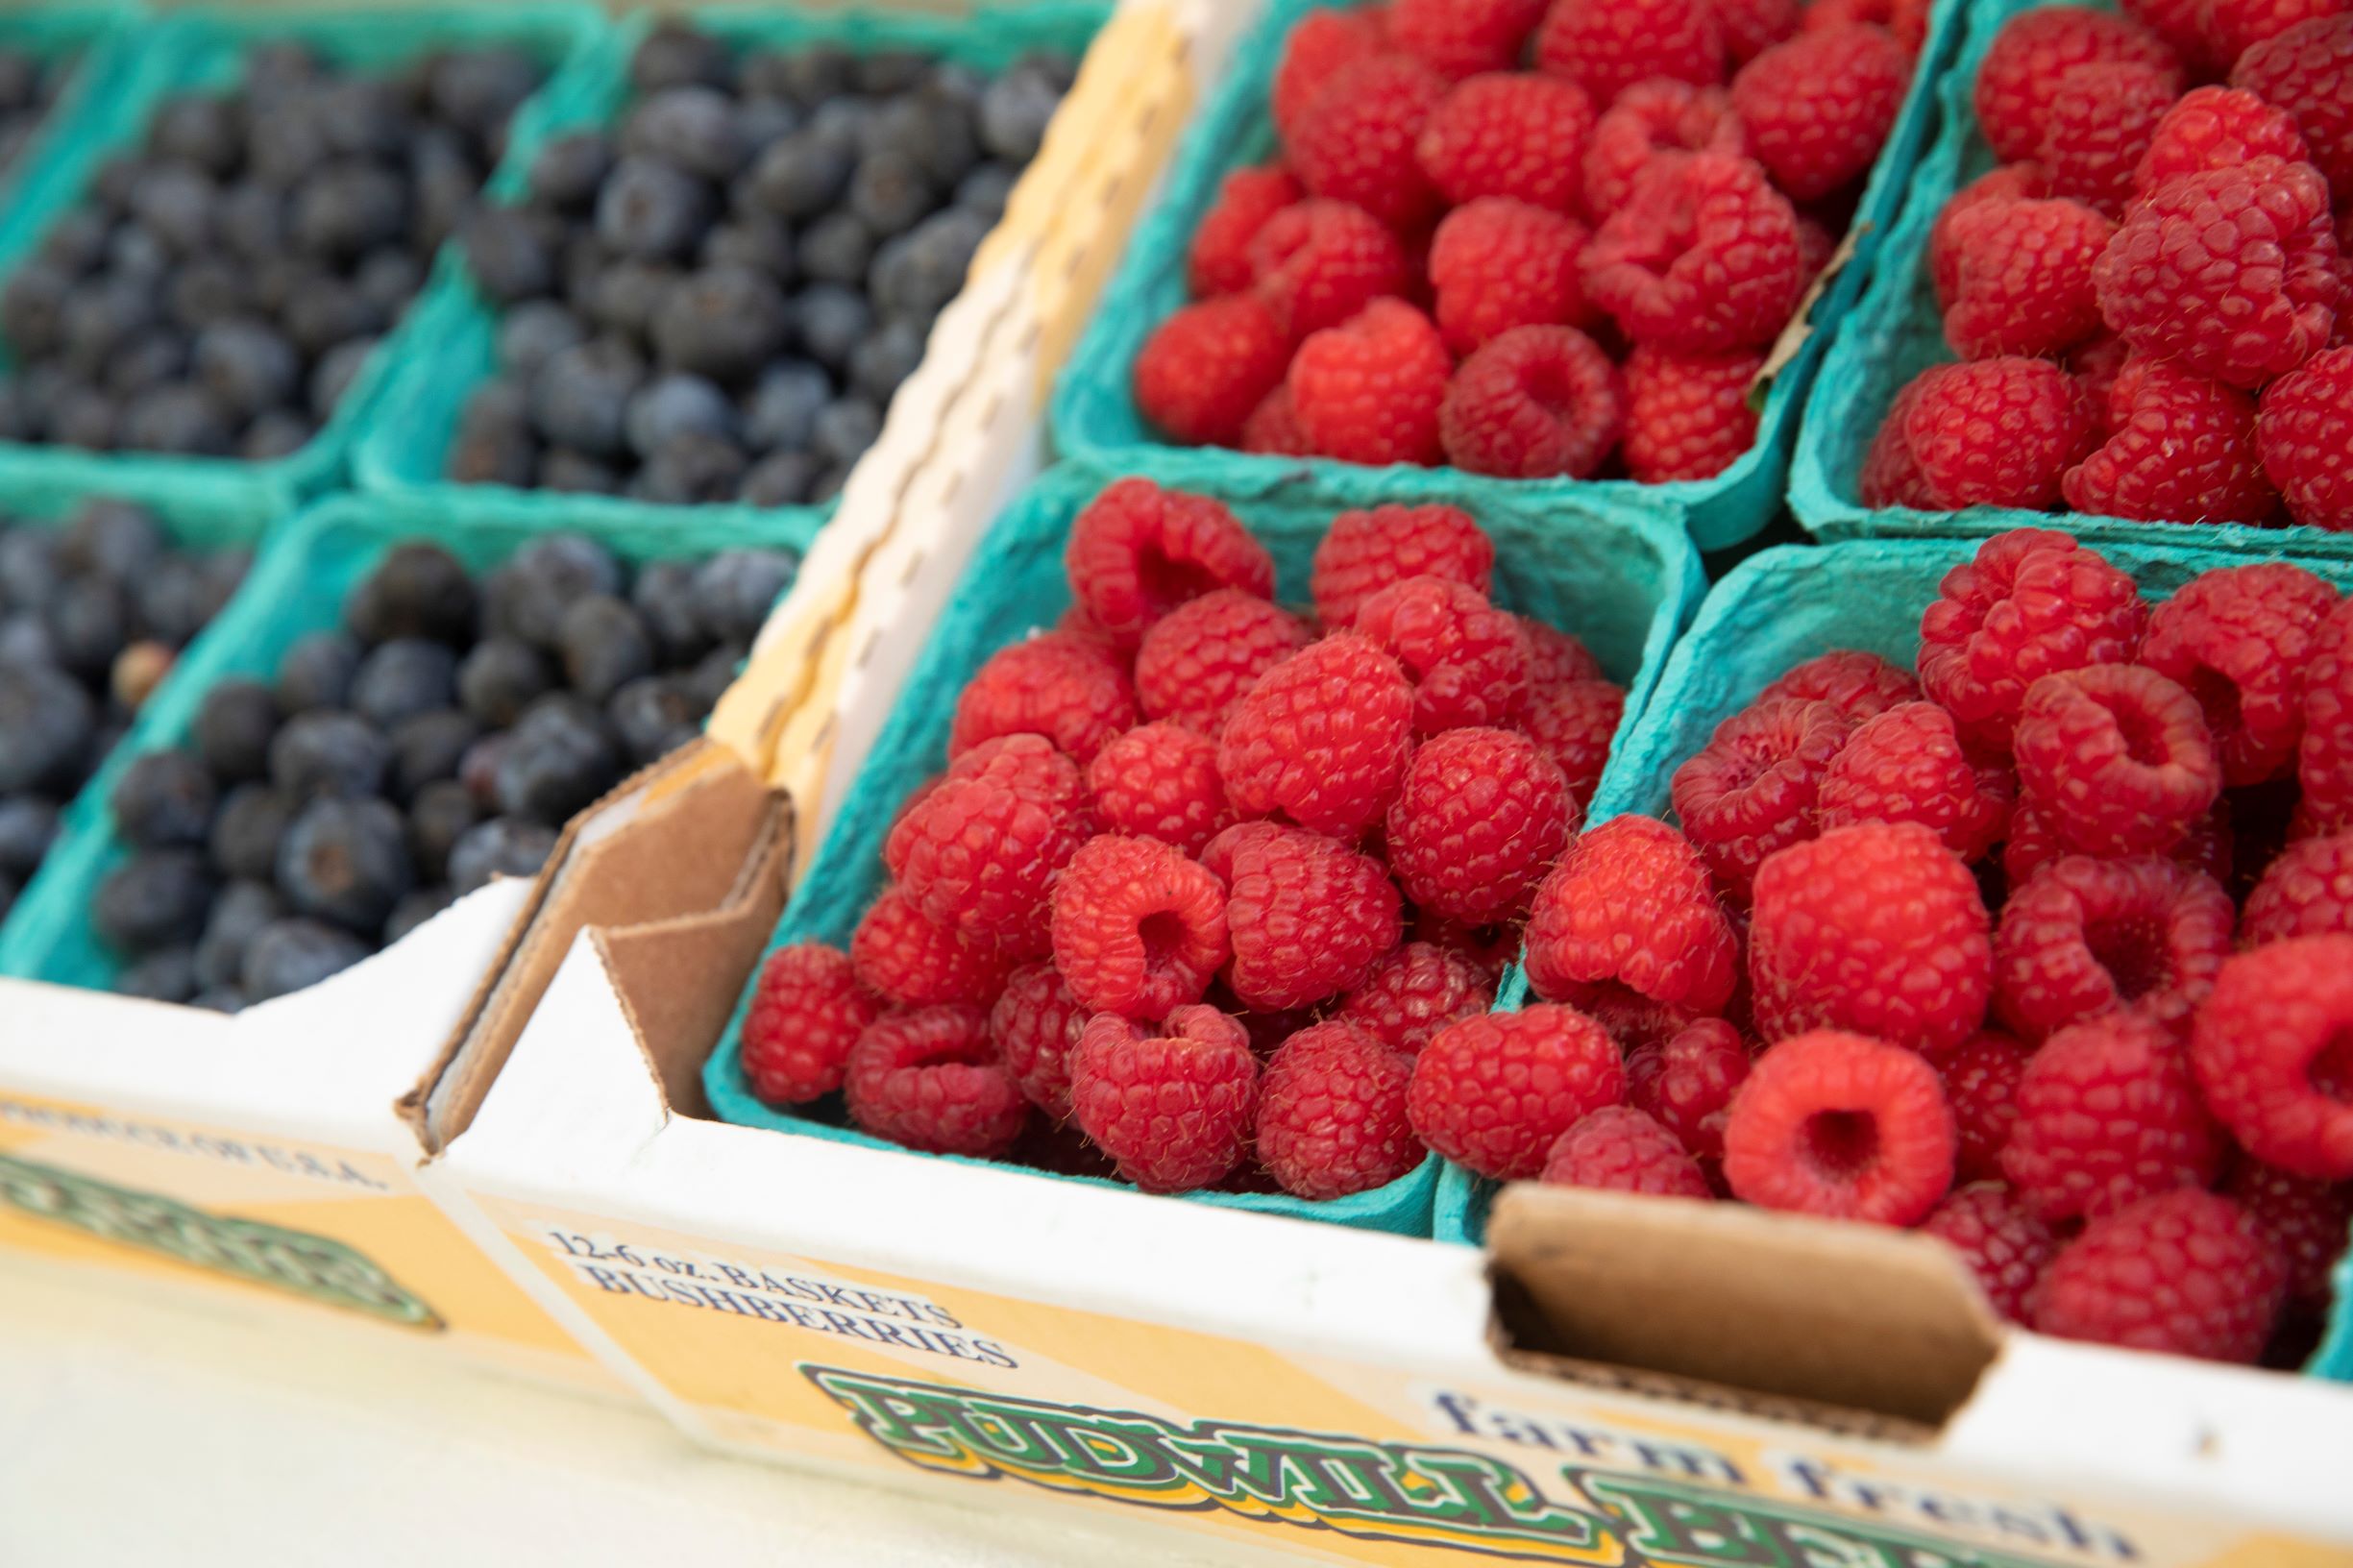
<point>1852,1320</point>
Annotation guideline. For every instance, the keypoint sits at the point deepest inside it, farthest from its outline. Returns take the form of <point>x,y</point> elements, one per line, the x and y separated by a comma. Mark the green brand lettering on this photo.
<point>1667,1521</point>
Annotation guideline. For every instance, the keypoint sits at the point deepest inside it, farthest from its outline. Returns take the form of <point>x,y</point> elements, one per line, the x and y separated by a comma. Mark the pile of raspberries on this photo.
<point>1569,269</point>
<point>2047,951</point>
<point>2144,294</point>
<point>1205,874</point>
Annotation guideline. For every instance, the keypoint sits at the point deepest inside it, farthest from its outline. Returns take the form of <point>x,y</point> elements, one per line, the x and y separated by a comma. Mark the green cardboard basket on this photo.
<point>100,48</point>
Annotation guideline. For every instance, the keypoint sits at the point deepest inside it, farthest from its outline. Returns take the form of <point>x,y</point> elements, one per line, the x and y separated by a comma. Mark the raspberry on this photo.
<point>1218,260</point>
<point>902,956</point>
<point>1318,263</point>
<point>1534,402</point>
<point>1034,1025</point>
<point>1136,552</point>
<point>2180,448</point>
<point>1205,655</point>
<point>2232,272</point>
<point>1702,256</point>
<point>1754,788</point>
<point>1322,737</point>
<point>1509,134</point>
<point>2306,437</point>
<point>1687,415</point>
<point>1996,188</point>
<point>1462,38</point>
<point>1369,392</point>
<point>2004,1246</point>
<point>1556,658</point>
<point>1751,27</point>
<point>2307,892</point>
<point>1414,993</point>
<point>2029,604</point>
<point>1839,1125</point>
<point>1859,685</point>
<point>2084,936</point>
<point>1466,659</point>
<point>2307,71</point>
<point>1630,907</point>
<point>2187,1273</point>
<point>1490,948</point>
<point>977,853</point>
<point>1493,1092</point>
<point>1204,370</point>
<point>1365,552</point>
<point>1995,432</point>
<point>1686,1082</point>
<point>1321,45</point>
<point>1355,144</point>
<point>1066,686</point>
<point>807,1011</point>
<point>1497,264</point>
<point>1575,724</point>
<point>2305,1221</point>
<point>2022,277</point>
<point>1819,108</point>
<point>2108,1114</point>
<point>2236,638</point>
<point>1982,1077</point>
<point>2216,128</point>
<point>1309,918</point>
<point>1890,474</point>
<point>1653,120</point>
<point>1907,19</point>
<point>2271,1045</point>
<point>2324,760</point>
<point>2030,57</point>
<point>1633,1021</point>
<point>2121,755</point>
<point>1477,822</point>
<point>1139,929</point>
<point>1160,781</point>
<point>1173,1107</point>
<point>1606,46</point>
<point>927,1079</point>
<point>2100,122</point>
<point>1273,427</point>
<point>1331,1114</point>
<point>1907,765</point>
<point>1618,1150</point>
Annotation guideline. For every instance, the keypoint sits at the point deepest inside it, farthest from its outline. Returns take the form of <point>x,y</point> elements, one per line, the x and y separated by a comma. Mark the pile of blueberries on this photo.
<point>217,290</point>
<point>26,88</point>
<point>440,737</point>
<point>716,301</point>
<point>91,615</point>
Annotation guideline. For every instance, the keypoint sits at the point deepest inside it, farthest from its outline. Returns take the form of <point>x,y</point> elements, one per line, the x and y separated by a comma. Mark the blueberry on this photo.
<point>167,974</point>
<point>479,89</point>
<point>890,191</point>
<point>567,171</point>
<point>802,175</point>
<point>415,909</point>
<point>526,597</point>
<point>438,817</point>
<point>559,757</point>
<point>1015,109</point>
<point>346,861</point>
<point>781,478</point>
<point>46,727</point>
<point>498,403</point>
<point>364,114</point>
<point>427,749</point>
<point>580,397</point>
<point>501,847</point>
<point>836,249</point>
<point>28,827</point>
<point>223,999</point>
<point>280,69</point>
<point>756,241</point>
<point>691,128</point>
<point>512,251</point>
<point>175,203</point>
<point>207,290</point>
<point>277,433</point>
<point>664,598</point>
<point>446,183</point>
<point>163,801</point>
<point>918,273</point>
<point>24,639</point>
<point>349,207</point>
<point>623,297</point>
<point>31,567</point>
<point>245,834</point>
<point>673,55</point>
<point>232,729</point>
<point>892,70</point>
<point>485,454</point>
<point>252,221</point>
<point>735,589</point>
<point>405,677</point>
<point>238,915</point>
<point>845,429</point>
<point>674,404</point>
<point>111,184</point>
<point>930,128</point>
<point>720,322</point>
<point>652,210</point>
<point>184,419</point>
<point>117,540</point>
<point>831,321</point>
<point>574,473</point>
<point>334,373</point>
<point>329,752</point>
<point>534,332</point>
<point>714,672</point>
<point>389,279</point>
<point>82,416</point>
<point>287,956</point>
<point>33,309</point>
<point>246,366</point>
<point>883,361</point>
<point>102,317</point>
<point>765,122</point>
<point>810,75</point>
<point>417,590</point>
<point>154,357</point>
<point>784,407</point>
<point>175,596</point>
<point>19,419</point>
<point>655,716</point>
<point>156,899</point>
<point>89,621</point>
<point>76,243</point>
<point>692,469</point>
<point>200,129</point>
<point>606,645</point>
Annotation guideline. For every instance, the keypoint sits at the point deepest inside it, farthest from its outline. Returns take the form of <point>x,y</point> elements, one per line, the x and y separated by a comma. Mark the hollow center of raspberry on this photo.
<point>1164,936</point>
<point>2219,696</point>
<point>2332,1070</point>
<point>2133,953</point>
<point>1841,1145</point>
<point>2144,737</point>
<point>1167,583</point>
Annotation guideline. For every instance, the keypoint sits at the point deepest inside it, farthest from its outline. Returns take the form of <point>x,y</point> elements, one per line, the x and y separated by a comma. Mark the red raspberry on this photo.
<point>1982,1077</point>
<point>807,1011</point>
<point>1160,781</point>
<point>1493,1092</point>
<point>900,955</point>
<point>1534,402</point>
<point>1575,724</point>
<point>2232,272</point>
<point>1618,1150</point>
<point>1462,38</point>
<point>2082,937</point>
<point>1509,134</point>
<point>1907,19</point>
<point>1357,143</point>
<point>1755,786</point>
<point>1272,429</point>
<point>1907,765</point>
<point>1318,263</point>
<point>1687,415</point>
<point>1138,551</point>
<point>2107,1115</point>
<point>1859,685</point>
<point>1203,656</point>
<point>1203,371</point>
<point>2022,277</point>
<point>2180,24</point>
<point>927,1079</point>
<point>1172,1104</point>
<point>1414,993</point>
<point>1466,659</point>
<point>2030,61</point>
<point>1218,260</point>
<point>1369,392</point>
<point>1996,188</point>
<point>1322,44</point>
<point>977,855</point>
<point>1995,432</point>
<point>2123,756</point>
<point>2307,892</point>
<point>1331,1114</point>
<point>1033,1027</point>
<point>1365,552</point>
<point>1751,27</point>
<point>1839,1125</point>
<point>2216,128</point>
<point>1702,256</point>
<point>1555,657</point>
<point>1139,929</point>
<point>2029,604</point>
<point>1477,822</point>
<point>2232,27</point>
<point>2272,1053</point>
<point>1605,46</point>
<point>1890,474</point>
<point>2183,1272</point>
<point>1686,1082</point>
<point>2306,437</point>
<point>1322,737</point>
<point>1819,108</point>
<point>2324,760</point>
<point>2305,1221</point>
<point>2181,449</point>
<point>2005,1247</point>
<point>2100,122</point>
<point>1629,906</point>
<point>2308,71</point>
<point>1309,918</point>
<point>1650,120</point>
<point>1497,264</point>
<point>2236,638</point>
<point>1490,948</point>
<point>1064,686</point>
<point>1635,1021</point>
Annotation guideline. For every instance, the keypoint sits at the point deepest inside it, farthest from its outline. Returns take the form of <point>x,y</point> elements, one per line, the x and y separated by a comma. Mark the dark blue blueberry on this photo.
<point>334,373</point>
<point>246,366</point>
<point>156,899</point>
<point>322,311</point>
<point>347,208</point>
<point>837,248</point>
<point>714,672</point>
<point>184,419</point>
<point>365,115</point>
<point>567,171</point>
<point>31,567</point>
<point>279,433</point>
<point>664,598</point>
<point>765,121</point>
<point>735,589</point>
<point>100,316</point>
<point>177,596</point>
<point>785,406</point>
<point>224,999</point>
<point>501,847</point>
<point>559,757</point>
<point>252,221</point>
<point>810,75</point>
<point>512,251</point>
<point>405,677</point>
<point>829,483</point>
<point>781,478</point>
<point>479,89</point>
<point>28,827</point>
<point>533,332</point>
<point>418,590</point>
<point>316,671</point>
<point>346,861</point>
<point>580,397</point>
<point>438,819</point>
<point>831,321</point>
<point>427,749</point>
<point>885,361</point>
<point>175,203</point>
<point>892,70</point>
<point>655,716</point>
<point>499,404</point>
<point>81,415</point>
<point>288,956</point>
<point>567,472</point>
<point>89,621</point>
<point>253,819</point>
<point>802,175</point>
<point>117,540</point>
<point>19,419</point>
<point>527,596</point>
<point>691,469</point>
<point>325,751</point>
<point>652,210</point>
<point>931,130</point>
<point>690,127</point>
<point>845,429</point>
<point>167,974</point>
<point>76,243</point>
<point>205,130</point>
<point>1016,108</point>
<point>626,294</point>
<point>673,55</point>
<point>891,192</point>
<point>156,355</point>
<point>232,729</point>
<point>33,309</point>
<point>414,909</point>
<point>238,914</point>
<point>918,273</point>
<point>24,639</point>
<point>720,322</point>
<point>207,290</point>
<point>606,645</point>
<point>500,676</point>
<point>389,279</point>
<point>164,800</point>
<point>487,453</point>
<point>675,404</point>
<point>447,180</point>
<point>753,240</point>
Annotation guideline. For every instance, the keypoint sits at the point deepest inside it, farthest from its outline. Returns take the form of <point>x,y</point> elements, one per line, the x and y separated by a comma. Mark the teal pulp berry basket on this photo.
<point>298,585</point>
<point>407,446</point>
<point>1625,581</point>
<point>1096,423</point>
<point>98,49</point>
<point>1896,331</point>
<point>204,51</point>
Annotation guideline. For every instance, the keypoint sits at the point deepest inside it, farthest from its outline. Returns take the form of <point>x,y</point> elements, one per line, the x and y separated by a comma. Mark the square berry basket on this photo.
<point>96,52</point>
<point>1097,422</point>
<point>1623,581</point>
